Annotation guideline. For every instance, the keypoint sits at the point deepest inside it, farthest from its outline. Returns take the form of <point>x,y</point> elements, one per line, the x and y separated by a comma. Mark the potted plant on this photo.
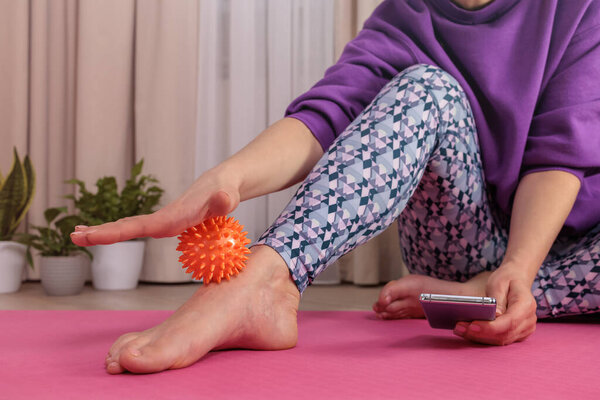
<point>117,266</point>
<point>63,264</point>
<point>16,194</point>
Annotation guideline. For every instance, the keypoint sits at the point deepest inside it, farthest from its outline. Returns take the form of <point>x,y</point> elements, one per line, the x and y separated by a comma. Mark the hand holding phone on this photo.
<point>443,311</point>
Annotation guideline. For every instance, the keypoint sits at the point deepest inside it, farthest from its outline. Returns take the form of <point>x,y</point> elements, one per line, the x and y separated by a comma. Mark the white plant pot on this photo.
<point>12,265</point>
<point>63,276</point>
<point>117,266</point>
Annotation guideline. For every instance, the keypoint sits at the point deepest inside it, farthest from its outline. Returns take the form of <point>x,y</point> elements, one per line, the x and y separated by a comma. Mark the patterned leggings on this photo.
<point>412,155</point>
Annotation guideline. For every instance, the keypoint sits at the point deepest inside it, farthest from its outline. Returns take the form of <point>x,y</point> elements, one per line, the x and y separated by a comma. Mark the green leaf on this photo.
<point>12,197</point>
<point>51,213</point>
<point>38,246</point>
<point>77,182</point>
<point>45,232</point>
<point>30,182</point>
<point>137,169</point>
<point>24,238</point>
<point>21,200</point>
<point>54,239</point>
<point>29,258</point>
<point>107,204</point>
<point>67,224</point>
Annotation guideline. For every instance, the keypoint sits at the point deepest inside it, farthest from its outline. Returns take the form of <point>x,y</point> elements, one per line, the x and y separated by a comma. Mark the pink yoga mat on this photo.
<point>340,355</point>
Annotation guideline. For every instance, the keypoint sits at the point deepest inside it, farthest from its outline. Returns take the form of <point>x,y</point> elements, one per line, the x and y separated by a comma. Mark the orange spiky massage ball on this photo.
<point>214,249</point>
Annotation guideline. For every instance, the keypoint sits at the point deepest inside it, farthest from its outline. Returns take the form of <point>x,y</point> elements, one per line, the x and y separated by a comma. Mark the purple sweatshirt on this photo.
<point>530,68</point>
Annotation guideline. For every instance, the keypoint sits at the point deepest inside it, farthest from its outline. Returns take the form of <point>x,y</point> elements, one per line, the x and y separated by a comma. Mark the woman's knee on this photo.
<point>444,89</point>
<point>431,77</point>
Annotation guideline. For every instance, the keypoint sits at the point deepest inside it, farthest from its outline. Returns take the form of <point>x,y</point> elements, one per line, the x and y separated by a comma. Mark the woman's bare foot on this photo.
<point>400,298</point>
<point>254,310</point>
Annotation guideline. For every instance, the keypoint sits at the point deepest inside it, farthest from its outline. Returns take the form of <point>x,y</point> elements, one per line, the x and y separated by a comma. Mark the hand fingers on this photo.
<point>480,333</point>
<point>165,222</point>
<point>516,324</point>
<point>113,231</point>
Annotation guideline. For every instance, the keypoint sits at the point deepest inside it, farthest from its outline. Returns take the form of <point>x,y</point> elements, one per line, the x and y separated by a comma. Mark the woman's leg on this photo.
<point>568,282</point>
<point>420,125</point>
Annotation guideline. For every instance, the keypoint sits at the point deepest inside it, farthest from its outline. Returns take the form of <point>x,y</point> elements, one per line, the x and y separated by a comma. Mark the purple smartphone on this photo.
<point>443,311</point>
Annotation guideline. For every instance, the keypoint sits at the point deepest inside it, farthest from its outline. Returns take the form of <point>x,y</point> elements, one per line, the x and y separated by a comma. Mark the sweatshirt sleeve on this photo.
<point>367,63</point>
<point>565,130</point>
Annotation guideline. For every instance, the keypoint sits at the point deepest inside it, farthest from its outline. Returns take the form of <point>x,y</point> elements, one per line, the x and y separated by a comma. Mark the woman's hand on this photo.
<point>515,310</point>
<point>212,194</point>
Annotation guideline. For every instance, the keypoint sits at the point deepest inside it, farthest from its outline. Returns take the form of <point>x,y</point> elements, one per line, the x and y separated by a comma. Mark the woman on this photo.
<point>481,118</point>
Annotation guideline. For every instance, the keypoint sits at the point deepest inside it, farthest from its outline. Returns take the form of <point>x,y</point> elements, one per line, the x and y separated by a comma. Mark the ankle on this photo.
<point>273,268</point>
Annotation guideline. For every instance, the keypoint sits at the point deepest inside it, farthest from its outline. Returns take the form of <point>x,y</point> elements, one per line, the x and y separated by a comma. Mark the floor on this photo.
<point>169,297</point>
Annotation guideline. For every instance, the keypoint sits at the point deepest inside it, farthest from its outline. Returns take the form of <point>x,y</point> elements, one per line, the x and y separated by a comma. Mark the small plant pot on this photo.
<point>12,264</point>
<point>117,266</point>
<point>63,276</point>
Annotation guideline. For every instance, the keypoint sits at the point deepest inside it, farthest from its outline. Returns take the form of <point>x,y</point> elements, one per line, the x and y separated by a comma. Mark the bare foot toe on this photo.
<point>127,341</point>
<point>399,299</point>
<point>153,357</point>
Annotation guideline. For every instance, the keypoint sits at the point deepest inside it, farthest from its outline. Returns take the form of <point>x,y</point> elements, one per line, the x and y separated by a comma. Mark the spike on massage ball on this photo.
<point>214,249</point>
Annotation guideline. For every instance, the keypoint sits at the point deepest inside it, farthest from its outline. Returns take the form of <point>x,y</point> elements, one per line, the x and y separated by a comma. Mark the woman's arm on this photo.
<point>280,156</point>
<point>542,203</point>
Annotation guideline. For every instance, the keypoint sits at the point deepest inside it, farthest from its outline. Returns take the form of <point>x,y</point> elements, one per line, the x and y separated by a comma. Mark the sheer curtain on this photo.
<point>60,100</point>
<point>88,87</point>
<point>255,56</point>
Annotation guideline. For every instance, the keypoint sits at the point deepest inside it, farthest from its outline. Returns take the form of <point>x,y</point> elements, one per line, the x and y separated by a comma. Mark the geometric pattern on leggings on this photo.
<point>568,283</point>
<point>449,229</point>
<point>366,178</point>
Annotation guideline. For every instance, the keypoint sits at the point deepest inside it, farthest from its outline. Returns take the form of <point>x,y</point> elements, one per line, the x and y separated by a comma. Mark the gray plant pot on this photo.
<point>63,276</point>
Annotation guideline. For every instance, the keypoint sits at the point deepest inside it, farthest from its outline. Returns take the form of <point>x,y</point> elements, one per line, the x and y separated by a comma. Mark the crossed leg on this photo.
<point>412,155</point>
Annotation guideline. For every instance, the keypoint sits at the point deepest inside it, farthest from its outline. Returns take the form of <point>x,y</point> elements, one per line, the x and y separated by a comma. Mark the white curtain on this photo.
<point>88,87</point>
<point>255,57</point>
